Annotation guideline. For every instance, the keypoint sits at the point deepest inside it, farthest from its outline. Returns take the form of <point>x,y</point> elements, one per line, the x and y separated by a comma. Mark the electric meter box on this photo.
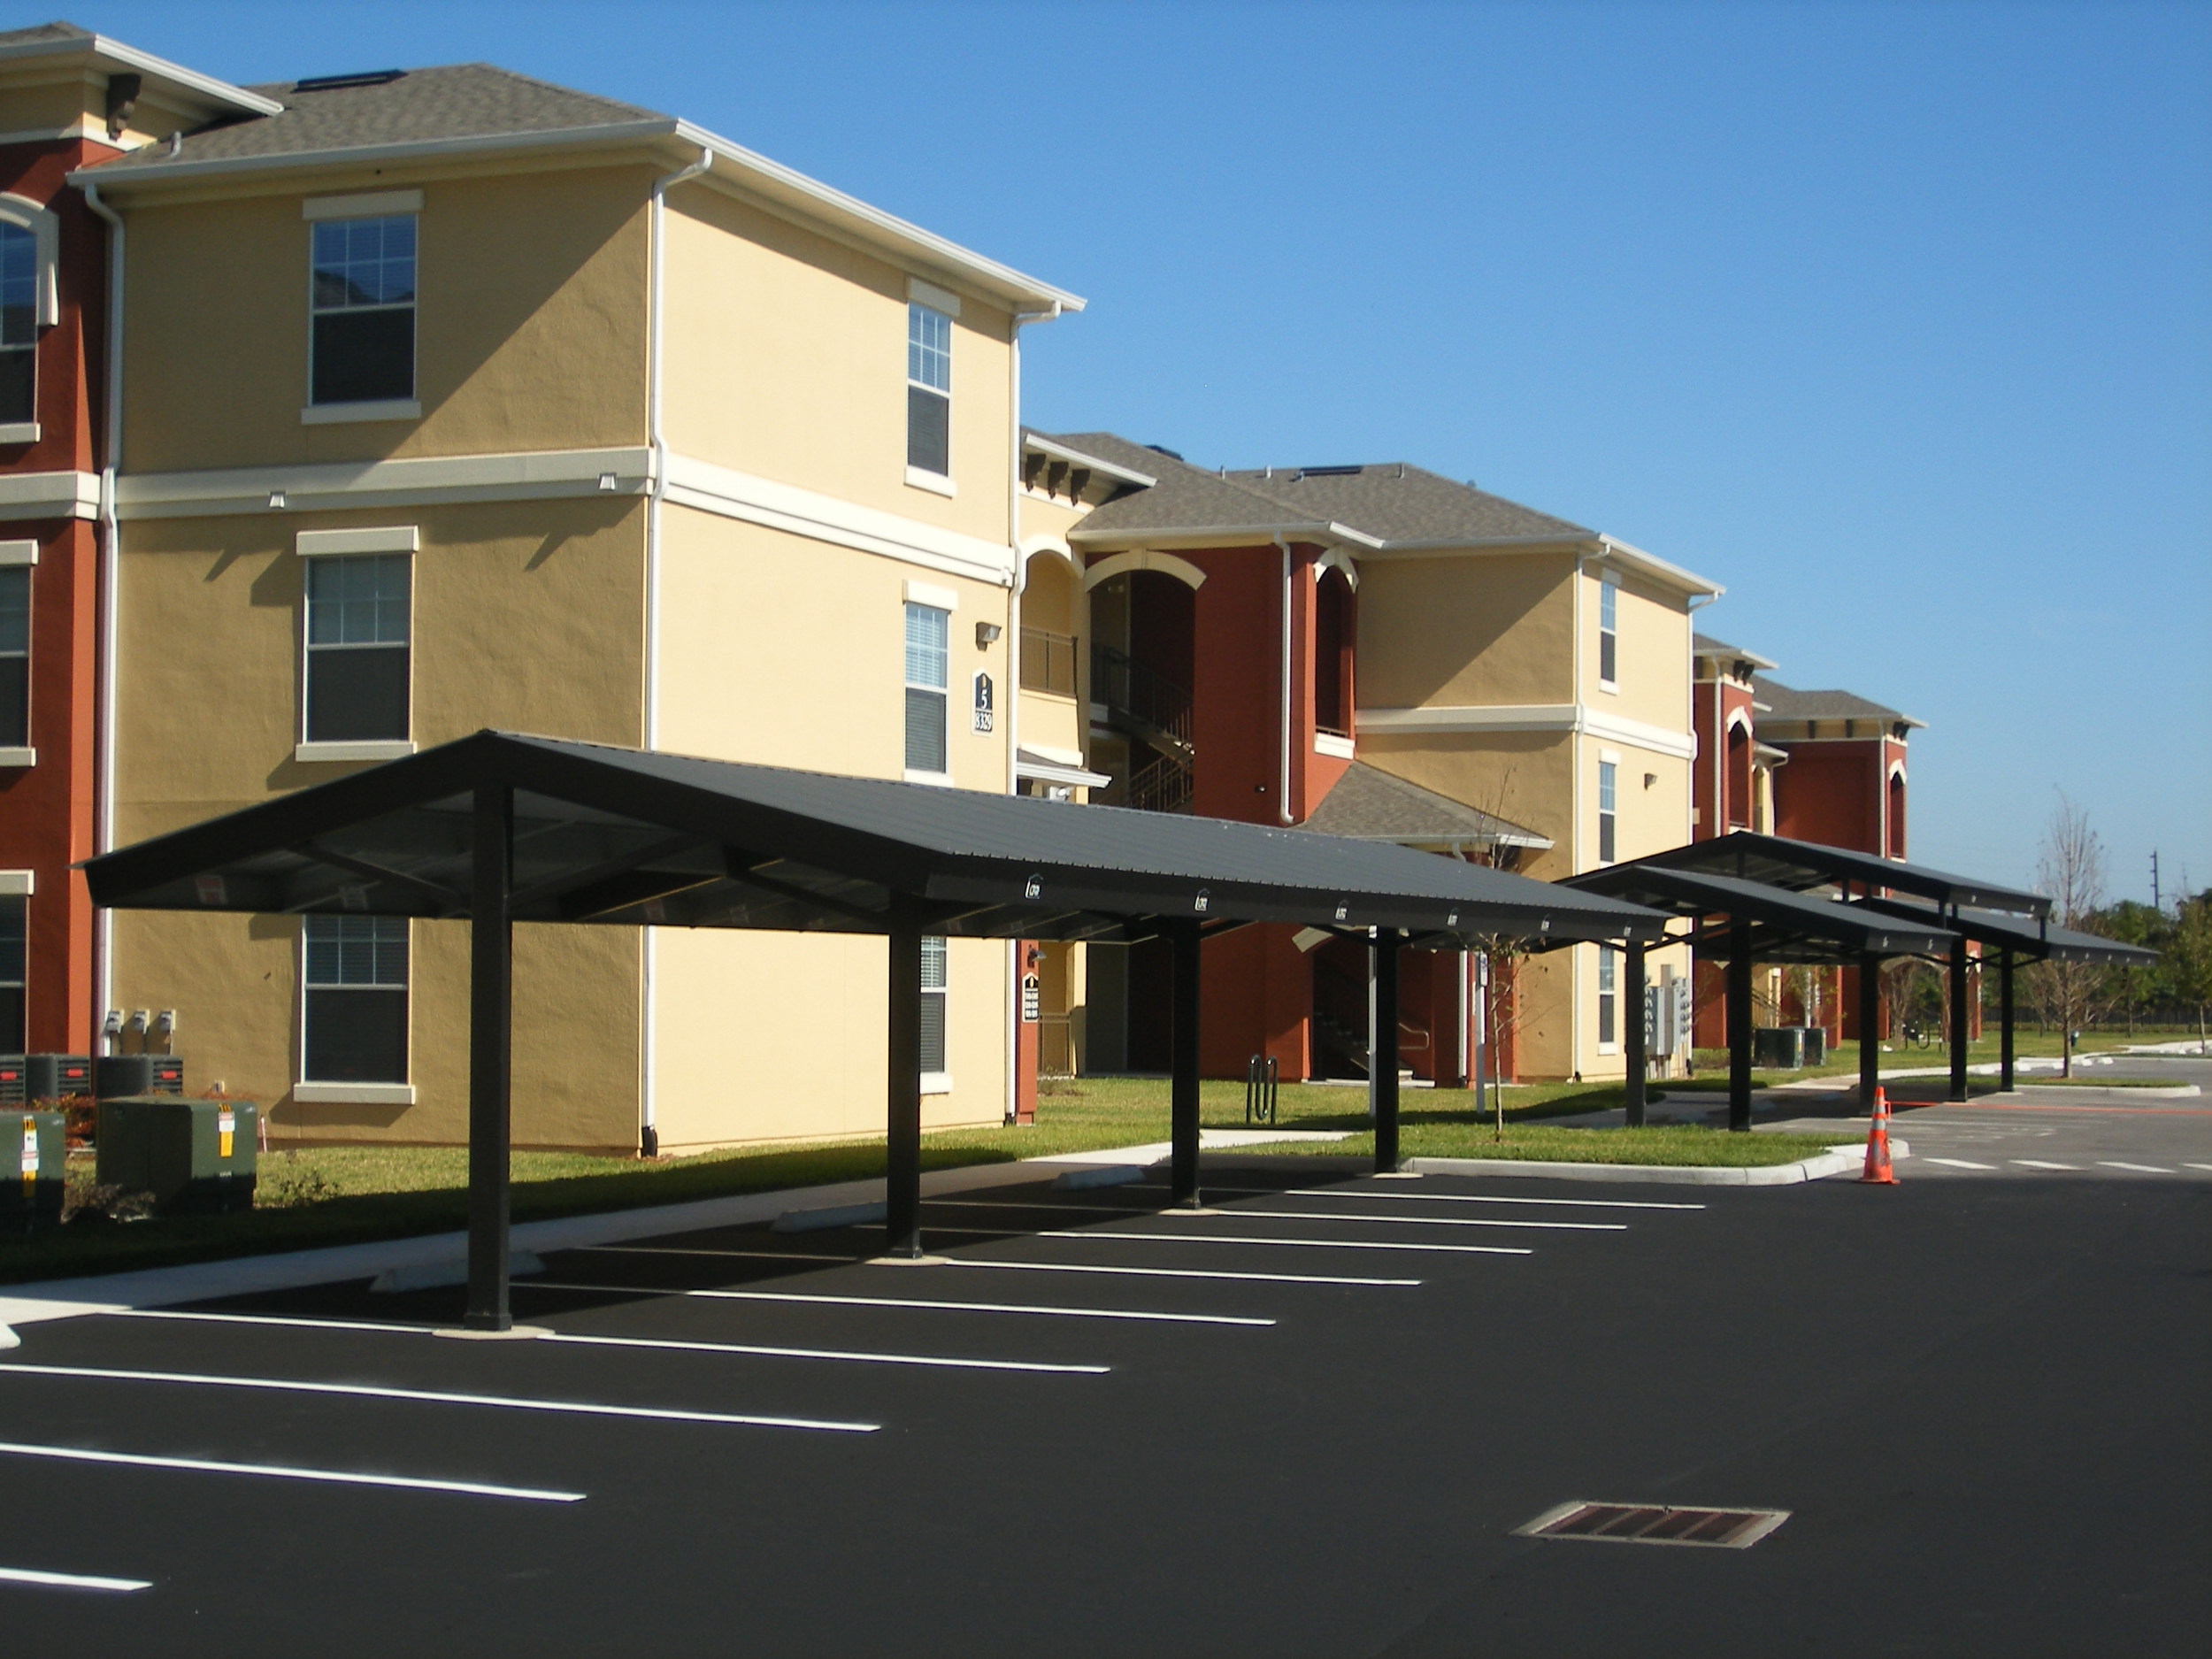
<point>31,1192</point>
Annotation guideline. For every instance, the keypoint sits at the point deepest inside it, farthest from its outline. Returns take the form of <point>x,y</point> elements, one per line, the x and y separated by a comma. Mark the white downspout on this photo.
<point>1012,699</point>
<point>657,441</point>
<point>1282,802</point>
<point>110,575</point>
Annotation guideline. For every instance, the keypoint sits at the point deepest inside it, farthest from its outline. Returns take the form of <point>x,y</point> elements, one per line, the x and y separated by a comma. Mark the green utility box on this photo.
<point>196,1156</point>
<point>30,1195</point>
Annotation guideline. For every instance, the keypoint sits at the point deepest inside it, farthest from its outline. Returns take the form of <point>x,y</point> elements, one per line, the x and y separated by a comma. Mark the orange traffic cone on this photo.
<point>1878,1166</point>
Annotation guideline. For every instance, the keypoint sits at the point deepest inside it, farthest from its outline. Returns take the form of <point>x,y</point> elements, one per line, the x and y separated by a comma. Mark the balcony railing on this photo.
<point>1048,662</point>
<point>1141,702</point>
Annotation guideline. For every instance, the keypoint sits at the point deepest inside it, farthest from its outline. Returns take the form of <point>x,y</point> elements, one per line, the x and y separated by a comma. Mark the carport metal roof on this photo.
<point>613,835</point>
<point>1782,926</point>
<point>1778,862</point>
<point>2036,940</point>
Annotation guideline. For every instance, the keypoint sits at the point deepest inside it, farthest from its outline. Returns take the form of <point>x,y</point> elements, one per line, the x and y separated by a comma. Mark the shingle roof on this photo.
<point>1396,502</point>
<point>44,32</point>
<point>1371,804</point>
<point>1787,703</point>
<point>1185,497</point>
<point>422,106</point>
<point>1705,645</point>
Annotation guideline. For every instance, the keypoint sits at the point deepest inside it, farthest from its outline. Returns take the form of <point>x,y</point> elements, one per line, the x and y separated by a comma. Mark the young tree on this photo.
<point>2070,869</point>
<point>2188,957</point>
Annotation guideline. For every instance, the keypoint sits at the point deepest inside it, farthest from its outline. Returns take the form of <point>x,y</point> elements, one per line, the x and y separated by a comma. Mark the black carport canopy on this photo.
<point>501,828</point>
<point>617,835</point>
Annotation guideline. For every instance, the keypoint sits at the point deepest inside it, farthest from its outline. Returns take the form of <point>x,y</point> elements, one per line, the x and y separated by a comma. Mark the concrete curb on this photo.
<point>1843,1160</point>
<point>2059,1091</point>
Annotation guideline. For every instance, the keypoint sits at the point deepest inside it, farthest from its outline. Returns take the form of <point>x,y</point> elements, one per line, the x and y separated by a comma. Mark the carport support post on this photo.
<point>1958,1018</point>
<point>1633,1047</point>
<point>1870,1028</point>
<point>2004,1021</point>
<point>1183,1086</point>
<point>903,1125</point>
<point>491,1053</point>
<point>1739,1025</point>
<point>1382,1046</point>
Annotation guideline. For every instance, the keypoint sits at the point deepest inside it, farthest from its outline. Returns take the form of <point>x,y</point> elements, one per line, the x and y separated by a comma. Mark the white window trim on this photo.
<point>18,757</point>
<point>936,1082</point>
<point>18,432</point>
<point>930,594</point>
<point>17,884</point>
<point>1610,580</point>
<point>1329,743</point>
<point>399,538</point>
<point>921,293</point>
<point>386,749</point>
<point>18,553</point>
<point>936,483</point>
<point>352,1094</point>
<point>935,779</point>
<point>375,205</point>
<point>26,214</point>
<point>346,414</point>
<point>314,1094</point>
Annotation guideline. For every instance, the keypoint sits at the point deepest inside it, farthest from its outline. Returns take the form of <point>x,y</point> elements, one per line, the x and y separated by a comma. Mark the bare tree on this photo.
<point>2070,871</point>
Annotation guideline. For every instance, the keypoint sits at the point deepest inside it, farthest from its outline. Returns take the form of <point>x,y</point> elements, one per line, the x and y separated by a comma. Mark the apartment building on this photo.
<point>1376,651</point>
<point>451,399</point>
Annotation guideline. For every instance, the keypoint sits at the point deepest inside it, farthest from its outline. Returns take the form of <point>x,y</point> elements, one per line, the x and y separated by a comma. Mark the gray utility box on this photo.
<point>196,1156</point>
<point>31,1186</point>
<point>118,1076</point>
<point>1787,1048</point>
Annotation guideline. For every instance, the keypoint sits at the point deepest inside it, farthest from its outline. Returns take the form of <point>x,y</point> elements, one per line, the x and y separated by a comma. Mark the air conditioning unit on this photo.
<point>12,1079</point>
<point>56,1075</point>
<point>116,1075</point>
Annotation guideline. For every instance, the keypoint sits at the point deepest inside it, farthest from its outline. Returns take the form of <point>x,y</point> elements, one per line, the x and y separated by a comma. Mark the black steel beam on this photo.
<point>903,1124</point>
<point>1740,1029</point>
<point>1870,1028</point>
<point>1382,1046</point>
<point>1958,987</point>
<point>1183,941</point>
<point>452,903</point>
<point>491,1055</point>
<point>2004,1028</point>
<point>1632,1005</point>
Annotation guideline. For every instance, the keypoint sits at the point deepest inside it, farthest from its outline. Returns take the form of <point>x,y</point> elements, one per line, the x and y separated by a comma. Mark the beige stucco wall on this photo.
<point>1496,628</point>
<point>1053,601</point>
<point>787,359</point>
<point>530,323</point>
<point>1653,655</point>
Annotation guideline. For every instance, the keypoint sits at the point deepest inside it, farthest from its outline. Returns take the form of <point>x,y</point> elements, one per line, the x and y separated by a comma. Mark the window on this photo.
<point>363,308</point>
<point>1608,996</point>
<point>1609,632</point>
<point>15,657</point>
<point>356,647</point>
<point>1335,628</point>
<point>933,1005</point>
<point>928,652</point>
<point>354,1023</point>
<point>19,324</point>
<point>1896,805</point>
<point>11,1028</point>
<point>928,390</point>
<point>1607,800</point>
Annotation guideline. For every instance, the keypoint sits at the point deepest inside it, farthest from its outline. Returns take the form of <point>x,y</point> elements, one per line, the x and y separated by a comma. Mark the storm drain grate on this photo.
<point>1655,1524</point>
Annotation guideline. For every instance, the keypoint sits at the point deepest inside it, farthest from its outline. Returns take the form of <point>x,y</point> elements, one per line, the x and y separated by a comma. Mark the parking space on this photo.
<point>1305,1419</point>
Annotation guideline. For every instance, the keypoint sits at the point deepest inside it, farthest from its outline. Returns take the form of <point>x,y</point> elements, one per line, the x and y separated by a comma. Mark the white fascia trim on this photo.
<point>1076,458</point>
<point>1531,716</point>
<point>354,1093</point>
<point>407,483</point>
<point>349,414</point>
<point>1329,743</point>
<point>1073,777</point>
<point>1053,753</point>
<point>17,884</point>
<point>936,483</point>
<point>18,757</point>
<point>220,92</point>
<point>388,749</point>
<point>50,494</point>
<point>18,553</point>
<point>399,538</point>
<point>1659,569</point>
<point>368,204</point>
<point>730,494</point>
<point>1320,531</point>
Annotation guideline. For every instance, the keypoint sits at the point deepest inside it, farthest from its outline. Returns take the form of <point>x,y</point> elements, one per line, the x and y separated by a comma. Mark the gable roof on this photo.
<point>1397,502</point>
<point>1705,645</point>
<point>1185,503</point>
<point>1786,704</point>
<point>186,87</point>
<point>1370,804</point>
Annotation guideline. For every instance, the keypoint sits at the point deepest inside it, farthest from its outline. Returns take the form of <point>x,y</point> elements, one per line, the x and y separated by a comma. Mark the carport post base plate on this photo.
<point>512,1333</point>
<point>906,1260</point>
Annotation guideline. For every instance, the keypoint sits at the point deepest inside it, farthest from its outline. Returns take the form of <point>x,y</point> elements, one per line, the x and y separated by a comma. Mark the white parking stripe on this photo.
<point>932,1360</point>
<point>1176,1273</point>
<point>1956,1163</point>
<point>2200,1166</point>
<point>366,1391</point>
<point>280,1471</point>
<point>2142,1168</point>
<point>677,1250</point>
<point>757,1351</point>
<point>1431,1221</point>
<point>70,1581</point>
<point>939,1307</point>
<point>2041,1164</point>
<point>1478,1198</point>
<point>1317,1244</point>
<point>1014,1203</point>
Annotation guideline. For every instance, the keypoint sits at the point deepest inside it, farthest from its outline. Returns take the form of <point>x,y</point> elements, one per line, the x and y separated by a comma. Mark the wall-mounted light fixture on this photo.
<point>986,633</point>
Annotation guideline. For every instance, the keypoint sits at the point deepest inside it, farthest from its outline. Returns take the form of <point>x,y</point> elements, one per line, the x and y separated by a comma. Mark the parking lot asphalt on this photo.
<point>1305,1423</point>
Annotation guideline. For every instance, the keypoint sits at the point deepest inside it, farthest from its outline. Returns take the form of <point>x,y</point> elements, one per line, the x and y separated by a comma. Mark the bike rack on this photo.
<point>1260,1082</point>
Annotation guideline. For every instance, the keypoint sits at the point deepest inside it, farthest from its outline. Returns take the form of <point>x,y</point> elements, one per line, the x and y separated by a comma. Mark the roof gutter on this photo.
<point>110,575</point>
<point>1282,799</point>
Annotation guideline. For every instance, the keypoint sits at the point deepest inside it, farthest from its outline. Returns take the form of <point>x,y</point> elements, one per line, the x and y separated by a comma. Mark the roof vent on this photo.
<point>343,83</point>
<point>1326,471</point>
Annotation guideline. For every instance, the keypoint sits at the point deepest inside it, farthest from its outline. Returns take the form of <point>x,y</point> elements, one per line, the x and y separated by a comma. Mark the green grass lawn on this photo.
<point>330,1195</point>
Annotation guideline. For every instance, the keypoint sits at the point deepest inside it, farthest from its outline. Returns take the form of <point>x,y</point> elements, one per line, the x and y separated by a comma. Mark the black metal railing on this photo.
<point>1161,785</point>
<point>1261,1081</point>
<point>1141,701</point>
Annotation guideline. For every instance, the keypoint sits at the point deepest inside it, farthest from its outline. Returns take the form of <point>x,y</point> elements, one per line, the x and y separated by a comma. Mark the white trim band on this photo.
<point>399,538</point>
<point>354,1093</point>
<point>1578,718</point>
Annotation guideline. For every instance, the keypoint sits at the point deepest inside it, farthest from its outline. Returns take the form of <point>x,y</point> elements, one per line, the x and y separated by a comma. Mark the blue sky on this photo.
<point>1896,319</point>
